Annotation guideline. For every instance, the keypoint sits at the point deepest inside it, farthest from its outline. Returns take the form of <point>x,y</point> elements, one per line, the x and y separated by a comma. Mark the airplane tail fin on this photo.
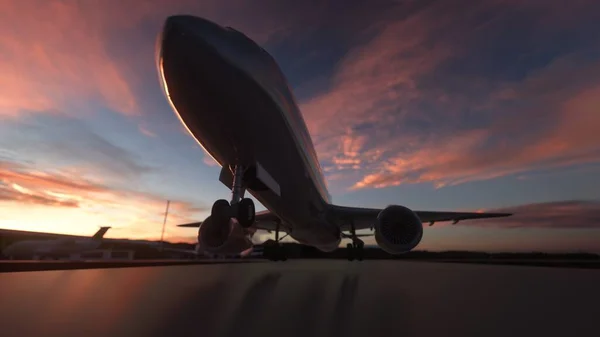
<point>100,233</point>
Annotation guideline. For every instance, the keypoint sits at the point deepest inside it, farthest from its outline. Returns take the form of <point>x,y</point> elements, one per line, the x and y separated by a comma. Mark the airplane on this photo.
<point>233,99</point>
<point>51,249</point>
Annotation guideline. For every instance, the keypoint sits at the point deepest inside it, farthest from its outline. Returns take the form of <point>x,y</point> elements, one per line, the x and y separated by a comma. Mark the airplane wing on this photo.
<point>265,220</point>
<point>364,218</point>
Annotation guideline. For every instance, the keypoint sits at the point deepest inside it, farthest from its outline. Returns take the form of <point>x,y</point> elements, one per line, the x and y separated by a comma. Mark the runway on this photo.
<point>35,265</point>
<point>303,298</point>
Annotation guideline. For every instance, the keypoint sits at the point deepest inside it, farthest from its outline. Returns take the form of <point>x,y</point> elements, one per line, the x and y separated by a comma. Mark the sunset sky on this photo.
<point>491,105</point>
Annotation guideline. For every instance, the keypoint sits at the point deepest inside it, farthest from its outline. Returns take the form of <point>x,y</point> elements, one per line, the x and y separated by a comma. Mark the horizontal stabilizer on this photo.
<point>191,224</point>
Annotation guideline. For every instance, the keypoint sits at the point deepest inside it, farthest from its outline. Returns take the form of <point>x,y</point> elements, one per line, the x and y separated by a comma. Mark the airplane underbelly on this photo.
<point>319,234</point>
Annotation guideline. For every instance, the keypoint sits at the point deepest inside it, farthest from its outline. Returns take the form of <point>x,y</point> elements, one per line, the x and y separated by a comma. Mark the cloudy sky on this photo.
<point>490,105</point>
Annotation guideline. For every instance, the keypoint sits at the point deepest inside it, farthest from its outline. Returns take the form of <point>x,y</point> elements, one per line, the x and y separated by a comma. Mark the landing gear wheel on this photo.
<point>221,211</point>
<point>355,250</point>
<point>350,249</point>
<point>245,212</point>
<point>359,249</point>
<point>275,252</point>
<point>281,255</point>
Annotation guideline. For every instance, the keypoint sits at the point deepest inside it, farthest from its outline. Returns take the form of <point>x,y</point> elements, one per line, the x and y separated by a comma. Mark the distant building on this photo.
<point>109,249</point>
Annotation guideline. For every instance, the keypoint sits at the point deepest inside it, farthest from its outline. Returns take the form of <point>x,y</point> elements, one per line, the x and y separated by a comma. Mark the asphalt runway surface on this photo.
<point>9,266</point>
<point>303,298</point>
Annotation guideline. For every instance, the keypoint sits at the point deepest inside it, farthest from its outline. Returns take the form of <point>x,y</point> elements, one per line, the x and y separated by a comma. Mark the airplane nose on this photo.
<point>198,27</point>
<point>183,32</point>
<point>187,30</point>
<point>174,24</point>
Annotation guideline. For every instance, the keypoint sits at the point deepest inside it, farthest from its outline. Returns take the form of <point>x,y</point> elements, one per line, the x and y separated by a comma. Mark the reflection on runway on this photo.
<point>302,298</point>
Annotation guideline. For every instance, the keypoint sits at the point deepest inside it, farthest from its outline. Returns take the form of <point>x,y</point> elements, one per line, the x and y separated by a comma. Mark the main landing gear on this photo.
<point>273,250</point>
<point>356,248</point>
<point>240,208</point>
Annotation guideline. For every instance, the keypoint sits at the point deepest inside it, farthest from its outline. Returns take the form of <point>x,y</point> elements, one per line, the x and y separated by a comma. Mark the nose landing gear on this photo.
<point>274,251</point>
<point>240,208</point>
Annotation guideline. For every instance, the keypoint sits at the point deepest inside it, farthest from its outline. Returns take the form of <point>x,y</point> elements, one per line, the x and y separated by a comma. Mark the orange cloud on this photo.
<point>11,173</point>
<point>23,197</point>
<point>58,202</point>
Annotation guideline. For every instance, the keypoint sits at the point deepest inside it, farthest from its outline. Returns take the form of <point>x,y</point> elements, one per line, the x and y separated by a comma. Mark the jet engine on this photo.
<point>230,239</point>
<point>398,229</point>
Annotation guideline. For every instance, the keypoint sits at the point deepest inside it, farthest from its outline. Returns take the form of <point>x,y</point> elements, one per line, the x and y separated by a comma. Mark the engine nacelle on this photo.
<point>398,229</point>
<point>214,238</point>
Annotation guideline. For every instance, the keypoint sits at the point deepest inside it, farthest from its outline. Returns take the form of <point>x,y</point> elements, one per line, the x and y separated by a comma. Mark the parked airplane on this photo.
<point>43,249</point>
<point>233,99</point>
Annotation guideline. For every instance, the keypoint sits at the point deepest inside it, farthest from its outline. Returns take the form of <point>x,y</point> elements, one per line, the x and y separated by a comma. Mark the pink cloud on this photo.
<point>570,136</point>
<point>384,91</point>
<point>380,75</point>
<point>145,131</point>
<point>52,55</point>
<point>56,55</point>
<point>11,173</point>
<point>209,161</point>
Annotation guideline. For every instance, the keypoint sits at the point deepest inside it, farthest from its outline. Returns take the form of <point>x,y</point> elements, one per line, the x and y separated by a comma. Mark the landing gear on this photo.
<point>221,211</point>
<point>274,251</point>
<point>356,248</point>
<point>245,212</point>
<point>240,208</point>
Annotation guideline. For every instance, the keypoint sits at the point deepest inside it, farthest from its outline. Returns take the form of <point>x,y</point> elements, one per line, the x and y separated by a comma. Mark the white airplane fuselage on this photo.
<point>31,248</point>
<point>54,248</point>
<point>232,97</point>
